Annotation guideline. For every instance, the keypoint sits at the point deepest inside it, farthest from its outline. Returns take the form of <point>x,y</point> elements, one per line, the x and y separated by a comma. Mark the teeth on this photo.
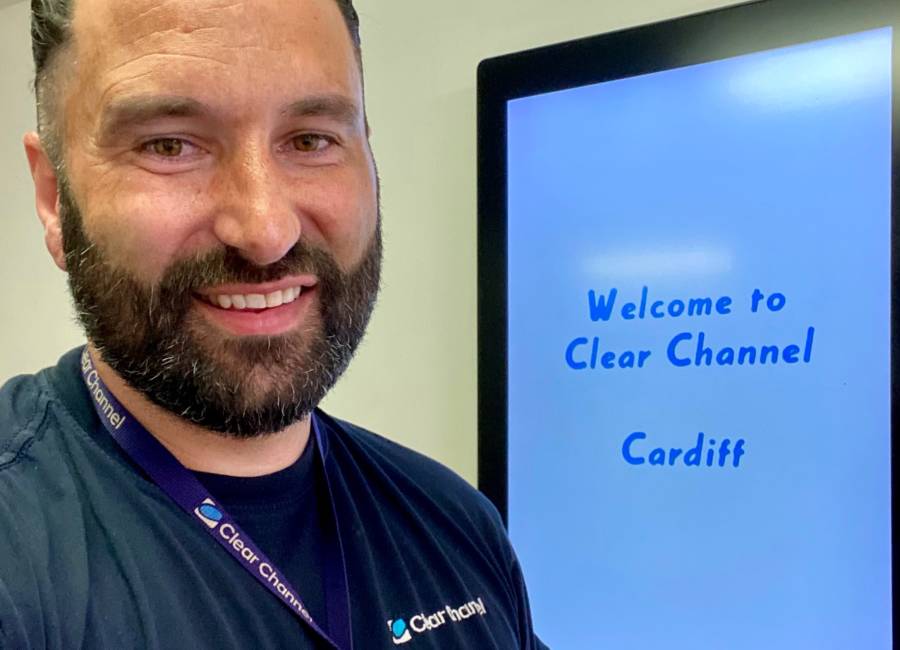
<point>274,299</point>
<point>256,300</point>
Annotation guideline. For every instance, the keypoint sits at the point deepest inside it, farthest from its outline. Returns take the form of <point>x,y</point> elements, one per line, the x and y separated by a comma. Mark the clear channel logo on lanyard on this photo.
<point>185,490</point>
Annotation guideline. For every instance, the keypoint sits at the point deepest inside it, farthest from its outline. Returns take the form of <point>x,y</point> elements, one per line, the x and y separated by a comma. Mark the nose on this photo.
<point>255,214</point>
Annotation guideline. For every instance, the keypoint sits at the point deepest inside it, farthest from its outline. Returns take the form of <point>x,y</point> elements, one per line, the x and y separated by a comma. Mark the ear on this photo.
<point>46,196</point>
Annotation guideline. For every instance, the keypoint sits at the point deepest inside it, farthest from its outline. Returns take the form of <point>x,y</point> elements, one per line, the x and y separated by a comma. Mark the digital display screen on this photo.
<point>699,353</point>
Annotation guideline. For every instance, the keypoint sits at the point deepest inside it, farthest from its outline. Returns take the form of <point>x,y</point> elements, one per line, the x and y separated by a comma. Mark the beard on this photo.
<point>154,338</point>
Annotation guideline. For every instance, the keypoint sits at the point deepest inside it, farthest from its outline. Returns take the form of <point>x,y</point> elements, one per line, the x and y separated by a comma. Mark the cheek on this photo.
<point>146,233</point>
<point>347,217</point>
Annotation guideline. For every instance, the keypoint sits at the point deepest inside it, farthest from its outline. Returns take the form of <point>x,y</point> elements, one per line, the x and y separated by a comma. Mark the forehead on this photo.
<point>239,49</point>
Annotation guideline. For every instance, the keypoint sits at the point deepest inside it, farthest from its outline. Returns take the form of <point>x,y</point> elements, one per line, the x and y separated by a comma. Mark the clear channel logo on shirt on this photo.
<point>401,632</point>
<point>208,513</point>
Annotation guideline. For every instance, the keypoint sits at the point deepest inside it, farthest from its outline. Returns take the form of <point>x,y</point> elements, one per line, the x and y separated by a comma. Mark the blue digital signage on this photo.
<point>699,353</point>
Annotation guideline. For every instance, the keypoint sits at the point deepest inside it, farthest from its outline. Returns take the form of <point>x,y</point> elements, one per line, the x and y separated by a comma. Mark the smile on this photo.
<point>255,301</point>
<point>266,309</point>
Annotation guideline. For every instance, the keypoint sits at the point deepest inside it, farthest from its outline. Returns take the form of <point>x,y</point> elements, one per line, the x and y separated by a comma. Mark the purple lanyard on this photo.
<point>184,488</point>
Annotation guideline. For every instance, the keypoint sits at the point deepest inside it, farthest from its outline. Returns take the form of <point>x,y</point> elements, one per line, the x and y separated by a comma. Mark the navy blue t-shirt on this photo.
<point>284,514</point>
<point>97,556</point>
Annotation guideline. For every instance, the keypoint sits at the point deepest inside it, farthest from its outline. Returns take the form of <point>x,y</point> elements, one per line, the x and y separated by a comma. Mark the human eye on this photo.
<point>174,149</point>
<point>312,143</point>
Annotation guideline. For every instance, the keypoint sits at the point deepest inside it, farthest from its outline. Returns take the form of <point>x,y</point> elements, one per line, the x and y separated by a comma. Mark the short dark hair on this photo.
<point>50,34</point>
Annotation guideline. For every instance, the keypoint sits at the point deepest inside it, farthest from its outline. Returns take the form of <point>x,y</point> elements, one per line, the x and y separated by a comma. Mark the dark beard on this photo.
<point>243,387</point>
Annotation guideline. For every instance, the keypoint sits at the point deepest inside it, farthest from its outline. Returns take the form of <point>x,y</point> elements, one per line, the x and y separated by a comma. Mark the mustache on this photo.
<point>165,305</point>
<point>226,265</point>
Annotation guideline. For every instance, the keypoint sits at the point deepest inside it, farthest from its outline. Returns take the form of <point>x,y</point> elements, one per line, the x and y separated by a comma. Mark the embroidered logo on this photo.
<point>400,631</point>
<point>420,623</point>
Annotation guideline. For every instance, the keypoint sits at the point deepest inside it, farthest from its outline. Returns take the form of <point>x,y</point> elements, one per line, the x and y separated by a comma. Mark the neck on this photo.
<point>203,450</point>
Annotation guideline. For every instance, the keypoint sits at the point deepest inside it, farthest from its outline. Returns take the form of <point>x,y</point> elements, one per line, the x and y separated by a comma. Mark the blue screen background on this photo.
<point>768,171</point>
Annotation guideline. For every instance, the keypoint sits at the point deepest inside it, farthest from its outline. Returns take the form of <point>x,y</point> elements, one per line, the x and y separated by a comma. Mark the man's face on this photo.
<point>215,153</point>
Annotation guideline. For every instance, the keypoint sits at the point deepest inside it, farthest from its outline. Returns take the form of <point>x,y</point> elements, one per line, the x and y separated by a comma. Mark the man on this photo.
<point>203,175</point>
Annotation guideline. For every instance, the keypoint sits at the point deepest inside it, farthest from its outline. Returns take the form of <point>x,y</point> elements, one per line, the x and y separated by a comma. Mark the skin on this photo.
<point>243,172</point>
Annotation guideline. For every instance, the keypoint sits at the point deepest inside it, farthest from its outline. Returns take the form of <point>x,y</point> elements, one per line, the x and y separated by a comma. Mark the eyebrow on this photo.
<point>128,113</point>
<point>337,107</point>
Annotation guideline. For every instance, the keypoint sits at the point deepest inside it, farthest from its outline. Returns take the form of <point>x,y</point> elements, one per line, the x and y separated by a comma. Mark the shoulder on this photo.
<point>444,525</point>
<point>34,476</point>
<point>421,480</point>
<point>28,483</point>
<point>42,466</point>
<point>23,410</point>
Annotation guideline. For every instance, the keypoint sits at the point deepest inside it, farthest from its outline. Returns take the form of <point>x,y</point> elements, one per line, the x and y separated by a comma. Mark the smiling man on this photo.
<point>203,174</point>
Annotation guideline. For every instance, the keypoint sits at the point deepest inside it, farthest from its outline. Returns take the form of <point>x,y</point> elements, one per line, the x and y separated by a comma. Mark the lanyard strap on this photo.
<point>184,488</point>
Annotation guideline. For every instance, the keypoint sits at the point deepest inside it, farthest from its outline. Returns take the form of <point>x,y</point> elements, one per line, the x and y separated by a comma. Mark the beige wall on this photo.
<point>415,376</point>
<point>37,323</point>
